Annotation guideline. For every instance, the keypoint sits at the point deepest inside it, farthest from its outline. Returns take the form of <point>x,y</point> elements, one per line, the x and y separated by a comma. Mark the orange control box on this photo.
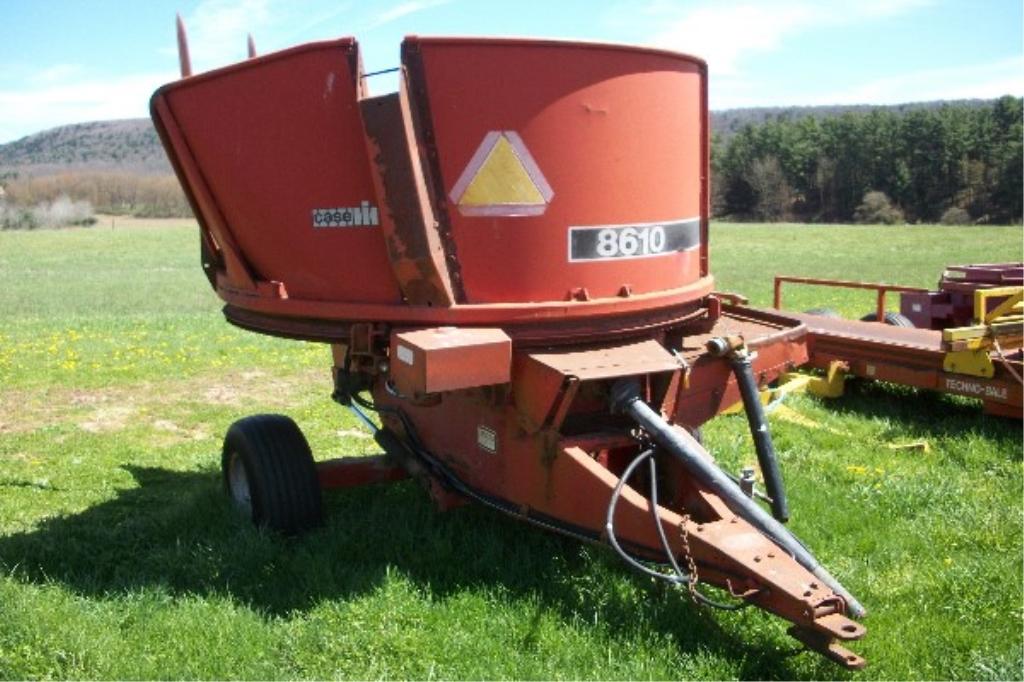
<point>449,358</point>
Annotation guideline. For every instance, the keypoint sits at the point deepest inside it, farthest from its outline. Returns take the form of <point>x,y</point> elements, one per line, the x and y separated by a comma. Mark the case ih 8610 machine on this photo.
<point>509,258</point>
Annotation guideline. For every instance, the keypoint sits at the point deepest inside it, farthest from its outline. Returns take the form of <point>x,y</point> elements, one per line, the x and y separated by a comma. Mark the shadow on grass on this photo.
<point>176,531</point>
<point>926,414</point>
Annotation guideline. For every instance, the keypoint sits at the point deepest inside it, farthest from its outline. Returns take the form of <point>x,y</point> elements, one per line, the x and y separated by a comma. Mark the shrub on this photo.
<point>955,215</point>
<point>62,212</point>
<point>114,193</point>
<point>12,218</point>
<point>875,208</point>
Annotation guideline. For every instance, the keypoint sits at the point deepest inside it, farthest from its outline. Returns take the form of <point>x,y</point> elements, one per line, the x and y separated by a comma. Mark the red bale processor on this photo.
<point>509,258</point>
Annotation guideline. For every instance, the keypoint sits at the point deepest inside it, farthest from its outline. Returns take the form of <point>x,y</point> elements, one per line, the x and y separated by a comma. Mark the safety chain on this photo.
<point>691,566</point>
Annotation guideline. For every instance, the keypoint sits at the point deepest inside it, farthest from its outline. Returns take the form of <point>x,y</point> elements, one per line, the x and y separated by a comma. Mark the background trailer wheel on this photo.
<point>891,319</point>
<point>270,474</point>
<point>824,312</point>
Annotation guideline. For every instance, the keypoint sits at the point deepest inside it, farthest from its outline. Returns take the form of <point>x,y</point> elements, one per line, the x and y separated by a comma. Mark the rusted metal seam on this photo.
<point>412,61</point>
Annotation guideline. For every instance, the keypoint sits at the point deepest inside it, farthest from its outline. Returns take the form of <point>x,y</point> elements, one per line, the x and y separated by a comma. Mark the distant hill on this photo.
<point>128,145</point>
<point>131,145</point>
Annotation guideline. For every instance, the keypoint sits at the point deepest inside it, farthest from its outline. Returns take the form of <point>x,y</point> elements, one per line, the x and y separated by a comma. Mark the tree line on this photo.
<point>957,163</point>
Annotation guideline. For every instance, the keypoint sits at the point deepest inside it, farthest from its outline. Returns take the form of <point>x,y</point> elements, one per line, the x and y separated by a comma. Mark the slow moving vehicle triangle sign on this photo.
<point>502,179</point>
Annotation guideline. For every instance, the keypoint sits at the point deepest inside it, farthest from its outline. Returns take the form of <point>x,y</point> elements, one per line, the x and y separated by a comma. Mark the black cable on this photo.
<point>453,482</point>
<point>377,73</point>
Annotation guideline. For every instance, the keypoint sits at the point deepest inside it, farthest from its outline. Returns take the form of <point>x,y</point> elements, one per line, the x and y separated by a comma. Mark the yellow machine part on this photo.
<point>975,363</point>
<point>828,386</point>
<point>968,349</point>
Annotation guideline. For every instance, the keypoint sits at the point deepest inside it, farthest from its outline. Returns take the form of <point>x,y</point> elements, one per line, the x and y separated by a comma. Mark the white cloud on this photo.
<point>404,9</point>
<point>323,22</point>
<point>975,81</point>
<point>58,72</point>
<point>724,33</point>
<point>217,30</point>
<point>60,101</point>
<point>34,99</point>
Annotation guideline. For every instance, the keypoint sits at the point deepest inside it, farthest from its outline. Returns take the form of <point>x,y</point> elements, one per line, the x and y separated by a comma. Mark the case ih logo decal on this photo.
<point>363,215</point>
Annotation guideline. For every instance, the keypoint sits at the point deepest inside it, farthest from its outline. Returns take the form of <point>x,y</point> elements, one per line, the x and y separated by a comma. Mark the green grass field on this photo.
<point>120,557</point>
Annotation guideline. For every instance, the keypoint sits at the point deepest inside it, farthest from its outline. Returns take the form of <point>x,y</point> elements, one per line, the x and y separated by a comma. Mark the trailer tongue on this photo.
<point>509,258</point>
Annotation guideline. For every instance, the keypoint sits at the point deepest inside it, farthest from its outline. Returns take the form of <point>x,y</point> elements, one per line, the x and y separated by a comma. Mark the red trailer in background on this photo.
<point>964,339</point>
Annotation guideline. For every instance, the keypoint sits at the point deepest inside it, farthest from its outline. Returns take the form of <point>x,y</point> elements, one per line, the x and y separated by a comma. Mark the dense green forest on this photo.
<point>955,163</point>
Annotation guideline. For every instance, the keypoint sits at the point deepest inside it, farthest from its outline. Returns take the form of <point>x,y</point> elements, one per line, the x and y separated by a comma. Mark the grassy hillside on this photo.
<point>121,558</point>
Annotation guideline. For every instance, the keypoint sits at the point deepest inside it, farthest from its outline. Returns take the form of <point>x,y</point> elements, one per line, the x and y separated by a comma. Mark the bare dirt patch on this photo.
<point>110,409</point>
<point>108,418</point>
<point>222,395</point>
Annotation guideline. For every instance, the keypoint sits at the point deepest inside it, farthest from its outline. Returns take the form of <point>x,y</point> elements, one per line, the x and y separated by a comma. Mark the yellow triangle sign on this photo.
<point>502,179</point>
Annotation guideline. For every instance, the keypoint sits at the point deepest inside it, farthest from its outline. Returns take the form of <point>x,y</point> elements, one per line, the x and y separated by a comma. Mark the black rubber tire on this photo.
<point>279,474</point>
<point>892,319</point>
<point>824,312</point>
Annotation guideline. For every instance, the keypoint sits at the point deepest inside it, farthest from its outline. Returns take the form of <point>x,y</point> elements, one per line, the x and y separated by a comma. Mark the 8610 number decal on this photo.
<point>644,240</point>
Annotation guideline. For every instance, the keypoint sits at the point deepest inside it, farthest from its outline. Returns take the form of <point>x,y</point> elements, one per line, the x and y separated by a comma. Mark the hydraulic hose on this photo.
<point>762,436</point>
<point>625,398</point>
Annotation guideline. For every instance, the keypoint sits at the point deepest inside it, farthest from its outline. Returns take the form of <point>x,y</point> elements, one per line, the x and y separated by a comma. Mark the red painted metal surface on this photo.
<point>546,382</point>
<point>779,341</point>
<point>952,305</point>
<point>914,357</point>
<point>277,138</point>
<point>351,472</point>
<point>880,289</point>
<point>408,225</point>
<point>449,359</point>
<point>267,147</point>
<point>579,121</point>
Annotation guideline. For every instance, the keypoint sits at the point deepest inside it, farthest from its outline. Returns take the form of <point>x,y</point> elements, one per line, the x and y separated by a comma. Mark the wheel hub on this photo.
<point>238,484</point>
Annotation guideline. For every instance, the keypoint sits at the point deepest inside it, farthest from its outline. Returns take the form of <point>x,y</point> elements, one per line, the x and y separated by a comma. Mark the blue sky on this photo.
<point>67,61</point>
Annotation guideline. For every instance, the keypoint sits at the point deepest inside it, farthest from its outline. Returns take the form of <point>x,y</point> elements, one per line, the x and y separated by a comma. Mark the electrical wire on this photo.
<point>653,473</point>
<point>678,577</point>
<point>609,527</point>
